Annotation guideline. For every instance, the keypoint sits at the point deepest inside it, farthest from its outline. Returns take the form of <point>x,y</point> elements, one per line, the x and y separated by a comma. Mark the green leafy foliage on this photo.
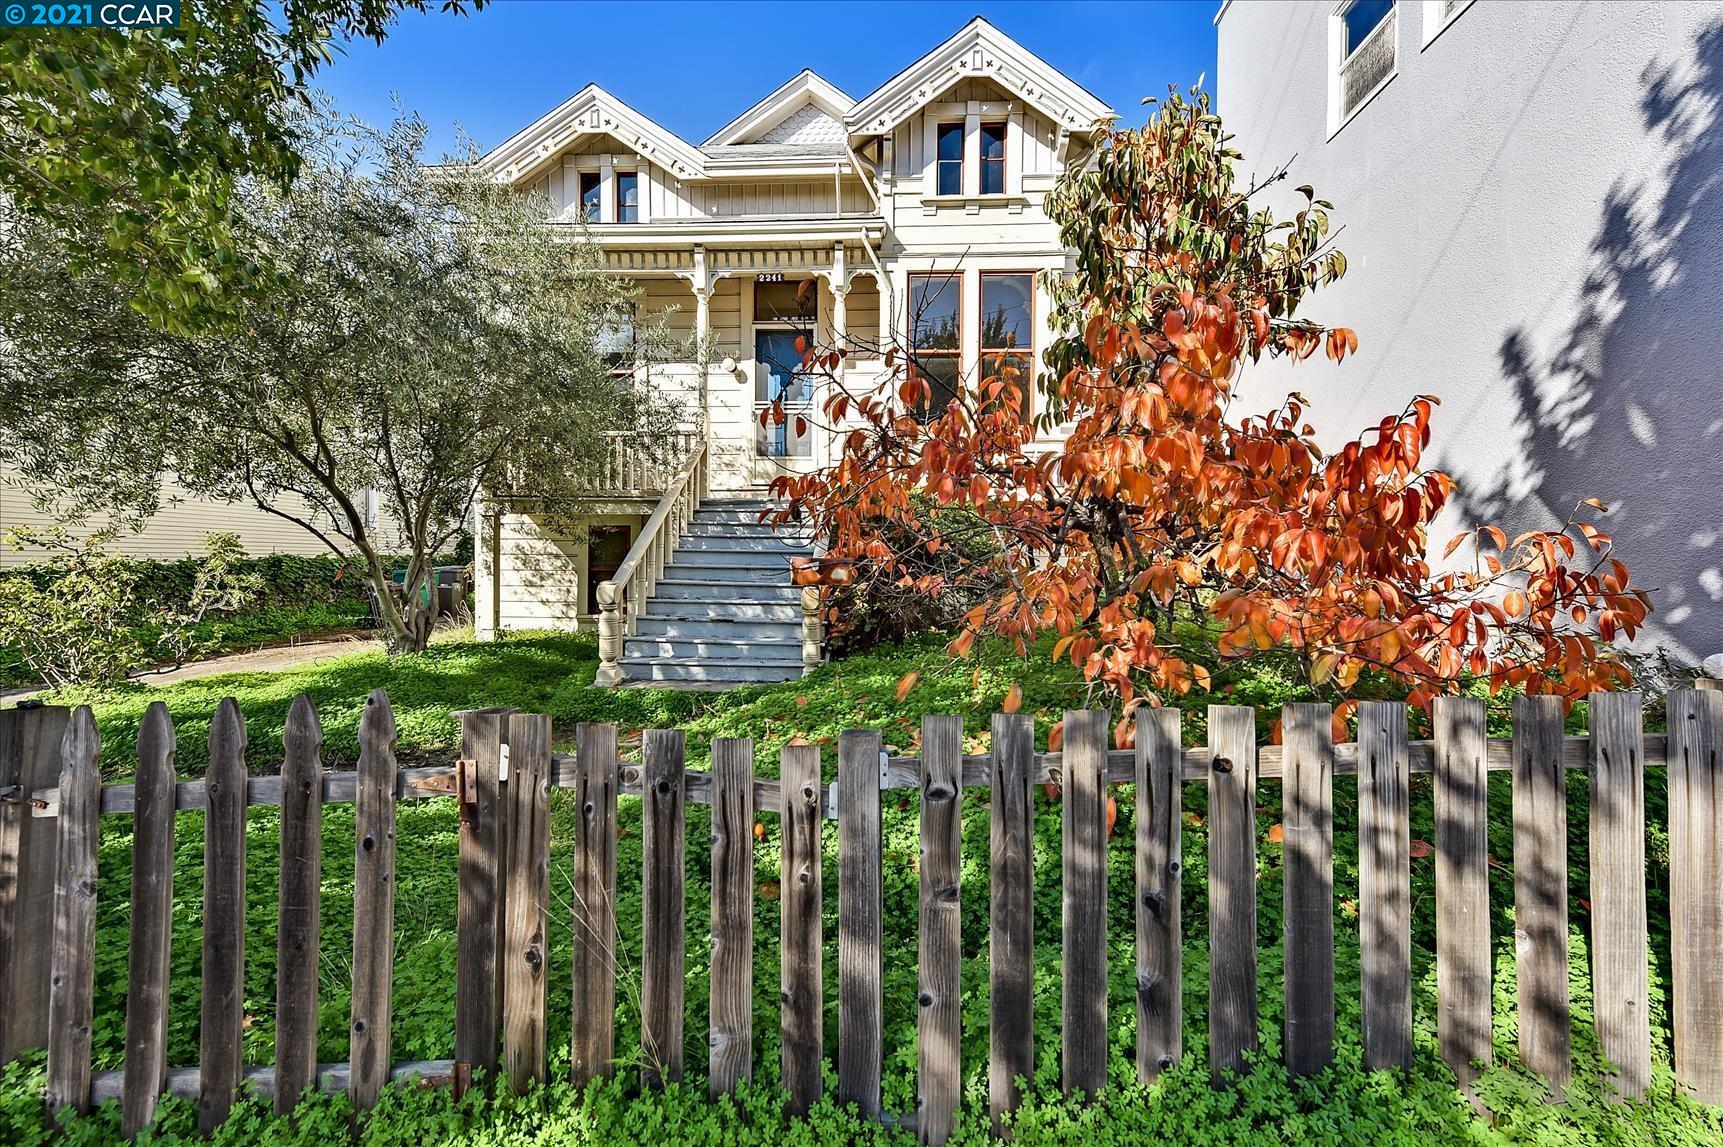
<point>172,610</point>
<point>133,143</point>
<point>552,673</point>
<point>420,340</point>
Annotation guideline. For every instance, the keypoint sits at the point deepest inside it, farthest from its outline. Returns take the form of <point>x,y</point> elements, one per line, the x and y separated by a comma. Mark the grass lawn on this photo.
<point>553,673</point>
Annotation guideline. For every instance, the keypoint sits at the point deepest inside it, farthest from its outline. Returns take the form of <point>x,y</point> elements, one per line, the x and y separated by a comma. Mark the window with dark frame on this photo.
<point>628,197</point>
<point>949,159</point>
<point>1008,334</point>
<point>591,196</point>
<point>936,337</point>
<point>993,159</point>
<point>794,301</point>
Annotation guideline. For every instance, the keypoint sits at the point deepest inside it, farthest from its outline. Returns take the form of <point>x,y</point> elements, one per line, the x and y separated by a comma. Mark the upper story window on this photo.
<point>628,197</point>
<point>1438,14</point>
<point>936,337</point>
<point>950,158</point>
<point>591,196</point>
<point>993,159</point>
<point>1364,34</point>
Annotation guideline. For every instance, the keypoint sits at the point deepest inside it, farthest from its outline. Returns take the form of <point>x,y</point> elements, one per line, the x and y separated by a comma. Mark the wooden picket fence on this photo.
<point>507,770</point>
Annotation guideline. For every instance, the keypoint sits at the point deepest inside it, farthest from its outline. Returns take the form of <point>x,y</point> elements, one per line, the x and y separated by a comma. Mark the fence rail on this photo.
<point>507,771</point>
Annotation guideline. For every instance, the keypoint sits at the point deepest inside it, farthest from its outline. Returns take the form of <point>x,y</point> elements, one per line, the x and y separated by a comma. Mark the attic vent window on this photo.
<point>1365,32</point>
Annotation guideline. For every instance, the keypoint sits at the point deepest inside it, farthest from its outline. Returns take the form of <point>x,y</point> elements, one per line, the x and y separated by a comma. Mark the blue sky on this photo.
<point>694,66</point>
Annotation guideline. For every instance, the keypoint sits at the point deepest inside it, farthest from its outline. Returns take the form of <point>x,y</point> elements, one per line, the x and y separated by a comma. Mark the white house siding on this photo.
<point>778,192</point>
<point>1531,208</point>
<point>543,573</point>
<point>176,531</point>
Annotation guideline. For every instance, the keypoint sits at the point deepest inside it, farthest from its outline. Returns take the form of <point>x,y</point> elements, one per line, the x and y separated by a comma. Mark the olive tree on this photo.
<point>420,335</point>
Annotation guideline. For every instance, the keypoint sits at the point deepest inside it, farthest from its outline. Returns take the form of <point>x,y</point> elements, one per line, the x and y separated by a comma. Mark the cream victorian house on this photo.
<point>912,216</point>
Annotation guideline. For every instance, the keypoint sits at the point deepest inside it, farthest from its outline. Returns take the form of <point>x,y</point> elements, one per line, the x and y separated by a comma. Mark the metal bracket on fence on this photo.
<point>14,794</point>
<point>884,767</point>
<point>467,780</point>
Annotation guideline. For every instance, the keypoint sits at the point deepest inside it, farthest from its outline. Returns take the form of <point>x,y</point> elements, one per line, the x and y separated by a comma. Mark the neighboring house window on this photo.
<point>628,197</point>
<point>1365,32</point>
<point>950,159</point>
<point>936,336</point>
<point>993,159</point>
<point>1008,333</point>
<point>590,196</point>
<point>1438,14</point>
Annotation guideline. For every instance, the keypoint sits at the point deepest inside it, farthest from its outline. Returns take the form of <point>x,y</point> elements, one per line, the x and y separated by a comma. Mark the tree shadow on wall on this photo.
<point>1628,404</point>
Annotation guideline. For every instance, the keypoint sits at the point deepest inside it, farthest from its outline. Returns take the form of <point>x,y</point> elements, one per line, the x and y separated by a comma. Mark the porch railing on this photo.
<point>637,463</point>
<point>620,598</point>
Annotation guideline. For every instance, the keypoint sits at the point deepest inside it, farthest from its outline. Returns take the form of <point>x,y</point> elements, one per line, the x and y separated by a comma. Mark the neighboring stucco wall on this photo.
<point>1532,211</point>
<point>177,530</point>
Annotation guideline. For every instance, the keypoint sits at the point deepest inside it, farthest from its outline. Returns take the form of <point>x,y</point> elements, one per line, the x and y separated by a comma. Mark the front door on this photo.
<point>783,411</point>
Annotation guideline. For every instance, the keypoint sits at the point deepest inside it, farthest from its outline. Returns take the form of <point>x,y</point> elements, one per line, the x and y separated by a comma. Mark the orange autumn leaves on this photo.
<point>1165,529</point>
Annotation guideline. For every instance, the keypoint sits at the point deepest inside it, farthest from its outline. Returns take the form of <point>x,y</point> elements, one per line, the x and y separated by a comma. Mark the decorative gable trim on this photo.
<point>592,111</point>
<point>978,50</point>
<point>800,90</point>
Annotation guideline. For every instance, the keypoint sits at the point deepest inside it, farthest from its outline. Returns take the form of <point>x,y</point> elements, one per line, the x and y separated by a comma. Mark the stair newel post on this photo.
<point>609,635</point>
<point>813,630</point>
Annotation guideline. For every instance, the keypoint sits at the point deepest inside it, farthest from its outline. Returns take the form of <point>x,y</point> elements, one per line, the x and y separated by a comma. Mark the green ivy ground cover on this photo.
<point>553,674</point>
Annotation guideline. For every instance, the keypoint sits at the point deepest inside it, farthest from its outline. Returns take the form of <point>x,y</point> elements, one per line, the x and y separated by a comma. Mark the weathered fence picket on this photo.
<point>1384,884</point>
<point>525,949</point>
<point>29,760</point>
<point>594,894</point>
<point>373,904</point>
<point>1083,1038</point>
<point>939,1025</point>
<point>479,909</point>
<point>507,914</point>
<point>664,907</point>
<point>299,908</point>
<point>860,1042</point>
<point>801,963</point>
<point>1232,887</point>
<point>1695,874</point>
<point>732,1008</point>
<point>1463,955</point>
<point>1540,887</point>
<point>1160,884</point>
<point>1620,977</point>
<point>223,1017</point>
<point>1307,734</point>
<point>72,956</point>
<point>147,968</point>
<point>1011,913</point>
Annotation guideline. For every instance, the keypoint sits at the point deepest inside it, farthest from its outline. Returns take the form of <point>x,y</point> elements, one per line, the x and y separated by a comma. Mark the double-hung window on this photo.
<point>936,337</point>
<point>949,158</point>
<point>993,159</point>
<point>1364,38</point>
<point>591,196</point>
<point>1008,336</point>
<point>628,197</point>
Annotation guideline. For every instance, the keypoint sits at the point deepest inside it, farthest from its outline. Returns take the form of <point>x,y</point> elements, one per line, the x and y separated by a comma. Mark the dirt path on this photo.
<point>275,657</point>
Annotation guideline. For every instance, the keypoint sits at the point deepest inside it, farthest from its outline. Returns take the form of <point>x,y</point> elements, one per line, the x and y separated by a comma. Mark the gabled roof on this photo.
<point>592,111</point>
<point>978,50</point>
<point>803,122</point>
<point>803,89</point>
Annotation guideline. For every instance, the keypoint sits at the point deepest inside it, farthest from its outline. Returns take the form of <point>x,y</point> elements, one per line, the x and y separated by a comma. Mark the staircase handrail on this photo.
<point>638,575</point>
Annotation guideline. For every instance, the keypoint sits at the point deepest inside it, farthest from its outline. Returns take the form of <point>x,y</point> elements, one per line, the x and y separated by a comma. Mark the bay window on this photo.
<point>936,337</point>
